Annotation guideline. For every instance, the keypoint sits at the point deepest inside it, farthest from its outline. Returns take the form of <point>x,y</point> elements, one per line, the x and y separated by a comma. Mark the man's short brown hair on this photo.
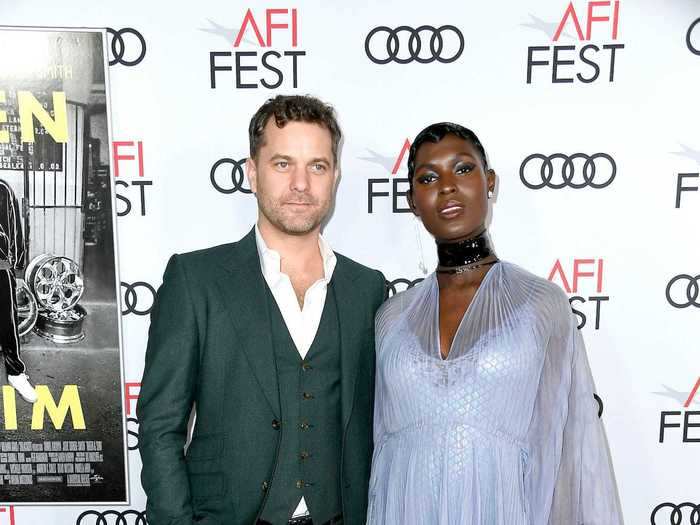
<point>293,108</point>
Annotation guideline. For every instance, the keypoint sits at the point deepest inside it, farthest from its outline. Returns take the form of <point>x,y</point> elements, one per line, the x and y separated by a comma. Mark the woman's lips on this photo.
<point>451,209</point>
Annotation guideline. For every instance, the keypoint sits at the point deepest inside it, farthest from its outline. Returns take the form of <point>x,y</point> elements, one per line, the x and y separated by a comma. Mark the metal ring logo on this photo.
<point>568,171</point>
<point>688,39</point>
<point>399,285</point>
<point>692,291</point>
<point>675,516</point>
<point>599,402</point>
<point>436,44</point>
<point>237,176</point>
<point>112,517</point>
<point>118,46</point>
<point>130,304</point>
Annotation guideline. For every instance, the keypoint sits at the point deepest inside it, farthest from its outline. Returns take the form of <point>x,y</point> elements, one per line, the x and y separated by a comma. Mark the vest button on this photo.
<point>304,425</point>
<point>264,486</point>
<point>307,396</point>
<point>300,484</point>
<point>306,366</point>
<point>304,455</point>
<point>276,424</point>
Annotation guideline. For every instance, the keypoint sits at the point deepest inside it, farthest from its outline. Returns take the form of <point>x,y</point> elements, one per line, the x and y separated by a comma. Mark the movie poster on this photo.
<point>63,435</point>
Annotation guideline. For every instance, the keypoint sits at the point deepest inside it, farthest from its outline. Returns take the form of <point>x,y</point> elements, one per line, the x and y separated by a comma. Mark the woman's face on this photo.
<point>450,188</point>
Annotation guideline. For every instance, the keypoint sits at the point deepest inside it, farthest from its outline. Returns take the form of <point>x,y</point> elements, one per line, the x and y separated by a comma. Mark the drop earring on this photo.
<point>490,193</point>
<point>421,259</point>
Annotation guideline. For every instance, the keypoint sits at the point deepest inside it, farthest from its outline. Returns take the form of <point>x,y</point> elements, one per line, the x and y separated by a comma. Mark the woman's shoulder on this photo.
<point>392,309</point>
<point>542,295</point>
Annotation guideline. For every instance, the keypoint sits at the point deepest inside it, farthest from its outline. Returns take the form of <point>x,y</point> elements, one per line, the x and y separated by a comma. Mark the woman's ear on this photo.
<point>491,180</point>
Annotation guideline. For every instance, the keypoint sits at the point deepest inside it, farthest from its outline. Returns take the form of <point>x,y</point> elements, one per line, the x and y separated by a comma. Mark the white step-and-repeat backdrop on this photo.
<point>589,112</point>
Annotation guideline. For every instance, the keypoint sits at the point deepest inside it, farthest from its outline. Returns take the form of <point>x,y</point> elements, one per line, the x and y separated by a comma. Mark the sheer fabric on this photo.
<point>505,431</point>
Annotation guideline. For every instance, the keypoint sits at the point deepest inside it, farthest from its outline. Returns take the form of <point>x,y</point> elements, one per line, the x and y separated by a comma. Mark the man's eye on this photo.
<point>319,167</point>
<point>282,164</point>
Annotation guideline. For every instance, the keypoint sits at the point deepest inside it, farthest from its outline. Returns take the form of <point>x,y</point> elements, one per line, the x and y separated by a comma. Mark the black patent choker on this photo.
<point>469,254</point>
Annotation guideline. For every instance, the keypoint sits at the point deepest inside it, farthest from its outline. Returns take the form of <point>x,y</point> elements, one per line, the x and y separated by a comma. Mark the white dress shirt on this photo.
<point>302,323</point>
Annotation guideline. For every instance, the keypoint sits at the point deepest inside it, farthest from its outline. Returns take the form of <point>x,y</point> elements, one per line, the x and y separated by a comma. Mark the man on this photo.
<point>12,258</point>
<point>272,338</point>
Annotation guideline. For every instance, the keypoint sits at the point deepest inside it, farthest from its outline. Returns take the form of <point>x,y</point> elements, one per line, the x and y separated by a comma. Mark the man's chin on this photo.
<point>298,227</point>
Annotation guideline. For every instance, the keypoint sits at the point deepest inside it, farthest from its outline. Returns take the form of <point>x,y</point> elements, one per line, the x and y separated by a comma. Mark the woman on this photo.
<point>484,413</point>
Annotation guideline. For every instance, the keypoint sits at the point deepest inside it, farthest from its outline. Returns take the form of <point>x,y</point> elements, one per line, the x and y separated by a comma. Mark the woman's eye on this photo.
<point>464,168</point>
<point>426,179</point>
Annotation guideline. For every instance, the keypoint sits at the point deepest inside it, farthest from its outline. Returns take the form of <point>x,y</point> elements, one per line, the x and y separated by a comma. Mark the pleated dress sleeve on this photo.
<point>569,477</point>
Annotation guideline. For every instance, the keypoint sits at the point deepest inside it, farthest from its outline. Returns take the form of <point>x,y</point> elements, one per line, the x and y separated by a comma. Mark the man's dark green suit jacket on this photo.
<point>210,345</point>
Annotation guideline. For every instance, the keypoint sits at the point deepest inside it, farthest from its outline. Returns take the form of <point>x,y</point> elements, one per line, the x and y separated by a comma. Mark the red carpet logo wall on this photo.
<point>592,192</point>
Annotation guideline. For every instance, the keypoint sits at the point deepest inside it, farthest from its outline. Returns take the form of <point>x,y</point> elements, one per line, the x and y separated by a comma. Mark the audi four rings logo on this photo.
<point>405,44</point>
<point>236,175</point>
<point>399,285</point>
<point>112,517</point>
<point>680,297</point>
<point>577,171</point>
<point>138,298</point>
<point>130,54</point>
<point>672,514</point>
<point>689,37</point>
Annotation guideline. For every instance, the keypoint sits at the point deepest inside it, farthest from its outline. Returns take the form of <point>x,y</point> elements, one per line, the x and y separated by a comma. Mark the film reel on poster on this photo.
<point>63,434</point>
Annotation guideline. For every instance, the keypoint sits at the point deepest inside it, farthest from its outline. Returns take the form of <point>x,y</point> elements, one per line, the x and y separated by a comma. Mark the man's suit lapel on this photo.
<point>348,301</point>
<point>243,291</point>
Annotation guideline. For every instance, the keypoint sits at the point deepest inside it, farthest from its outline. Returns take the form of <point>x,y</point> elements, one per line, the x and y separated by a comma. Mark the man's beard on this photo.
<point>293,222</point>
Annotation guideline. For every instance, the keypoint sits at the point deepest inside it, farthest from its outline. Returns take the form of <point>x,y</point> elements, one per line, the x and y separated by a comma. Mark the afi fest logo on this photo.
<point>687,421</point>
<point>7,515</point>
<point>579,274</point>
<point>593,27</point>
<point>688,182</point>
<point>131,396</point>
<point>266,51</point>
<point>575,171</point>
<point>127,158</point>
<point>392,187</point>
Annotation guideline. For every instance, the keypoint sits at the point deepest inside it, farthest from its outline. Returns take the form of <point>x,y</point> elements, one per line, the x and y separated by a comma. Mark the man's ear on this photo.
<point>252,174</point>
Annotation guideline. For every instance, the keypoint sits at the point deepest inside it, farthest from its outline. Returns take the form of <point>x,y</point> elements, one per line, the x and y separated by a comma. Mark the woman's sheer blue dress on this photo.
<point>505,431</point>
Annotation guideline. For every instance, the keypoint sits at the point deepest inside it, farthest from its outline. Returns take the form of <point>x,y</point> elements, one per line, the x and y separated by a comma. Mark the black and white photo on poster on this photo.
<point>63,436</point>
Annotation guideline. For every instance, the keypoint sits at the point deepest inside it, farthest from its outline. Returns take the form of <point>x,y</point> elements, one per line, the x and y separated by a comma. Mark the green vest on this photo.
<point>311,426</point>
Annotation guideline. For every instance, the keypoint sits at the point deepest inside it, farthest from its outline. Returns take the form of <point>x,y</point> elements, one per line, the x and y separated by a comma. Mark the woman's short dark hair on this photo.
<point>435,133</point>
<point>292,108</point>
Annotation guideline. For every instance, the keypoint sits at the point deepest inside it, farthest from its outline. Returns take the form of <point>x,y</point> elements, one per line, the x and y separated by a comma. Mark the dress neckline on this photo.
<point>465,316</point>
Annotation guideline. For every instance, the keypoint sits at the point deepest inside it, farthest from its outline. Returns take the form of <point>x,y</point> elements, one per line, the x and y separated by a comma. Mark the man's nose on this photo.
<point>299,179</point>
